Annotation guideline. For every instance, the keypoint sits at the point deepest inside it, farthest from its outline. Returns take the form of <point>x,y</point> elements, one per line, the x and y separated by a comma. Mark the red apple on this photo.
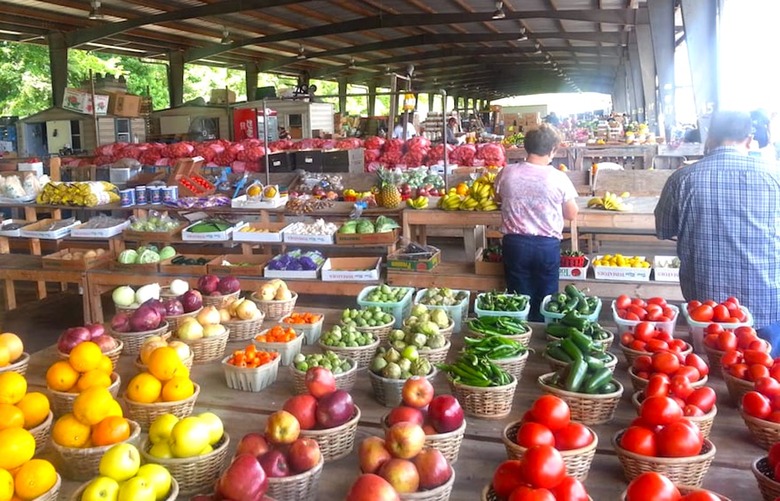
<point>445,413</point>
<point>429,430</point>
<point>335,409</point>
<point>372,454</point>
<point>417,392</point>
<point>275,464</point>
<point>433,467</point>
<point>402,475</point>
<point>244,479</point>
<point>405,440</point>
<point>254,444</point>
<point>304,455</point>
<point>282,428</point>
<point>304,408</point>
<point>370,487</point>
<point>404,413</point>
<point>320,381</point>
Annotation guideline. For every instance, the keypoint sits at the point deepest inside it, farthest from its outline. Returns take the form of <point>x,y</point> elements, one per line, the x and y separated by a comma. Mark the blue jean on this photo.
<point>532,267</point>
<point>771,333</point>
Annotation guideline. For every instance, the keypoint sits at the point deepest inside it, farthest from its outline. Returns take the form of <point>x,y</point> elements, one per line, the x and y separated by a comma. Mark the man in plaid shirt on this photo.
<point>724,212</point>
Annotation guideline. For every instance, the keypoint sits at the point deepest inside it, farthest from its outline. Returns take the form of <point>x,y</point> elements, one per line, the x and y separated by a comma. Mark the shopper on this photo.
<point>535,199</point>
<point>450,133</point>
<point>724,211</point>
<point>400,133</point>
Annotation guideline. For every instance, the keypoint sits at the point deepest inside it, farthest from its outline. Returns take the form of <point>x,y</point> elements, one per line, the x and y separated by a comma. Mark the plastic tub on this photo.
<point>629,325</point>
<point>457,312</point>
<point>697,328</point>
<point>520,315</point>
<point>400,310</point>
<point>550,317</point>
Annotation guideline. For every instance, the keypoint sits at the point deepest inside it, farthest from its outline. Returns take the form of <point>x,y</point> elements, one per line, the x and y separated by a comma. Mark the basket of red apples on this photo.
<point>663,441</point>
<point>718,340</point>
<point>652,485</point>
<point>692,366</point>
<point>96,333</point>
<point>441,416</point>
<point>698,404</point>
<point>412,470</point>
<point>767,473</point>
<point>760,410</point>
<point>325,414</point>
<point>539,474</point>
<point>742,368</point>
<point>548,422</point>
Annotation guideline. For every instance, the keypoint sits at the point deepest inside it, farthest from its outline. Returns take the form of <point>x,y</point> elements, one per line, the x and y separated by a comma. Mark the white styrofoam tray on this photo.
<point>621,273</point>
<point>341,274</point>
<point>271,236</point>
<point>663,273</point>
<point>243,202</point>
<point>217,236</point>
<point>295,238</point>
<point>79,232</point>
<point>12,233</point>
<point>50,235</point>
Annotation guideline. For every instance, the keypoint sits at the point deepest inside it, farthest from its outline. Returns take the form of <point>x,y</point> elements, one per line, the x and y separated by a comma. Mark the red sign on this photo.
<point>244,124</point>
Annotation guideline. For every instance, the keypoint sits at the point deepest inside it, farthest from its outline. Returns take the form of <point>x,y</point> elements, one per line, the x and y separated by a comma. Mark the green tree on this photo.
<point>24,92</point>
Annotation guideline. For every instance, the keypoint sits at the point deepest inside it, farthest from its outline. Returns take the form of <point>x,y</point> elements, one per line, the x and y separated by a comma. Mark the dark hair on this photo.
<point>542,140</point>
<point>729,126</point>
<point>452,119</point>
<point>760,127</point>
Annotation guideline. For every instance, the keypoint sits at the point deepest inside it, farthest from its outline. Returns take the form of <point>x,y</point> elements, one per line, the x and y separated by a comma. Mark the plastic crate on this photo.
<point>238,378</point>
<point>629,325</point>
<point>400,310</point>
<point>457,312</point>
<point>521,315</point>
<point>697,328</point>
<point>550,317</point>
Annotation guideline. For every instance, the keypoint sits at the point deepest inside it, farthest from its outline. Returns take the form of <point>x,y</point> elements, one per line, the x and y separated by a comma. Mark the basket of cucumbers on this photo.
<point>502,304</point>
<point>592,393</point>
<point>563,352</point>
<point>572,299</point>
<point>507,327</point>
<point>573,323</point>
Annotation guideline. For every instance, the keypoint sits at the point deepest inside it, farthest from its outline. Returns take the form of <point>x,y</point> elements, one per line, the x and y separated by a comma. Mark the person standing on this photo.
<point>535,200</point>
<point>400,133</point>
<point>724,212</point>
<point>450,133</point>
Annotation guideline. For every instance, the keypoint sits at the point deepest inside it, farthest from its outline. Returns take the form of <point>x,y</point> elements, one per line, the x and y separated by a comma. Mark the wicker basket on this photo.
<point>640,383</point>
<point>684,490</point>
<point>273,309</point>
<point>493,402</point>
<point>287,351</point>
<point>441,493</point>
<point>769,487</point>
<point>687,471</point>
<point>244,330</point>
<point>713,357</point>
<point>250,379</point>
<point>310,332</point>
<point>447,331</point>
<point>112,354</point>
<point>206,349</point>
<point>296,487</point>
<point>523,339</point>
<point>344,381</point>
<point>145,414</point>
<point>737,387</point>
<point>336,443</point>
<point>488,494</point>
<point>41,432</point>
<point>586,408</point>
<point>379,331</point>
<point>765,433</point>
<point>126,309</point>
<point>62,401</point>
<point>513,365</point>
<point>82,463</point>
<point>142,368</point>
<point>436,355</point>
<point>606,343</point>
<point>388,391</point>
<point>703,422</point>
<point>19,366</point>
<point>446,443</point>
<point>52,494</point>
<point>632,354</point>
<point>558,364</point>
<point>577,461</point>
<point>218,301</point>
<point>172,494</point>
<point>134,340</point>
<point>195,474</point>
<point>360,354</point>
<point>176,320</point>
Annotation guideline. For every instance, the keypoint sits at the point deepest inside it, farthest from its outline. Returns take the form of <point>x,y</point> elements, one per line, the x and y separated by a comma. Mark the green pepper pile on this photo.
<point>501,326</point>
<point>572,323</point>
<point>473,370</point>
<point>494,347</point>
<point>502,301</point>
<point>572,299</point>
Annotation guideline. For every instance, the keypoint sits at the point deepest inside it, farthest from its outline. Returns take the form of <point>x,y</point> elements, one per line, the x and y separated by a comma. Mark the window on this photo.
<point>75,135</point>
<point>122,127</point>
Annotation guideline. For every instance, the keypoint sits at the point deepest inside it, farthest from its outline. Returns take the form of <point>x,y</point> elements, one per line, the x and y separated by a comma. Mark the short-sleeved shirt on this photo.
<point>398,132</point>
<point>532,198</point>
<point>724,211</point>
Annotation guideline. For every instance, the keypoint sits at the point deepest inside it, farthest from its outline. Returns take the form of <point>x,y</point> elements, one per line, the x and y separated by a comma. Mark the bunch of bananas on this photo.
<point>480,196</point>
<point>83,194</point>
<point>450,201</point>
<point>610,201</point>
<point>417,203</point>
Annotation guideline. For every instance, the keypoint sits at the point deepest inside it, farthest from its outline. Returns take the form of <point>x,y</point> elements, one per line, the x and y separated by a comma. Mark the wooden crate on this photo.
<point>142,269</point>
<point>166,265</point>
<point>153,236</point>
<point>255,265</point>
<point>56,262</point>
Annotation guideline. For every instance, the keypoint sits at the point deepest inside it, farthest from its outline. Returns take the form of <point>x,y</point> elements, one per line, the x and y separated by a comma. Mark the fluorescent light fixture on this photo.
<point>225,36</point>
<point>522,37</point>
<point>537,48</point>
<point>499,13</point>
<point>95,12</point>
<point>301,52</point>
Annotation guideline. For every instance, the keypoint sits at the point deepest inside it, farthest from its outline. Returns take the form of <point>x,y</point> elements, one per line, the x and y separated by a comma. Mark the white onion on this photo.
<point>179,287</point>
<point>123,296</point>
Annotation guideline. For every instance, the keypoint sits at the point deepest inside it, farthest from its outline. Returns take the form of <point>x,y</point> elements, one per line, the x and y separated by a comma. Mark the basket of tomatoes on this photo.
<point>760,410</point>
<point>308,325</point>
<point>717,341</point>
<point>742,368</point>
<point>691,366</point>
<point>767,473</point>
<point>646,339</point>
<point>540,473</point>
<point>283,340</point>
<point>629,312</point>
<point>251,369</point>
<point>729,314</point>
<point>659,486</point>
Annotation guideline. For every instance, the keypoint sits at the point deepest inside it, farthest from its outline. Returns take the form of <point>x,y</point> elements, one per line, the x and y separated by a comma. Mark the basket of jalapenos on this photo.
<point>572,299</point>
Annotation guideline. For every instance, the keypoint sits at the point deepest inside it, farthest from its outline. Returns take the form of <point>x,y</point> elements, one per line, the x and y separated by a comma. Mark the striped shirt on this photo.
<point>725,213</point>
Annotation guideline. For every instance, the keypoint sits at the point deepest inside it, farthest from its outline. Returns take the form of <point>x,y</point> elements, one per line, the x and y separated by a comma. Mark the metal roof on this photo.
<point>453,44</point>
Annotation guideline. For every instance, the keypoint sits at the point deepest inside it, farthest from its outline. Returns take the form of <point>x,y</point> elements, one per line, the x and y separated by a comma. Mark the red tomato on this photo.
<point>756,405</point>
<point>570,489</point>
<point>727,340</point>
<point>572,436</point>
<point>669,313</point>
<point>678,344</point>
<point>774,372</point>
<point>526,493</point>
<point>657,300</point>
<point>700,495</point>
<point>703,313</point>
<point>639,440</point>
<point>626,338</point>
<point>714,328</point>
<point>756,372</point>
<point>692,373</point>
<point>774,454</point>
<point>703,398</point>
<point>730,358</point>
<point>644,331</point>
<point>760,345</point>
<point>528,417</point>
<point>622,302</point>
<point>652,486</point>
<point>638,345</point>
<point>774,417</point>
<point>732,299</point>
<point>710,302</point>
<point>660,410</point>
<point>657,386</point>
<point>720,313</point>
<point>692,305</point>
<point>638,301</point>
<point>758,357</point>
<point>654,309</point>
<point>643,363</point>
<point>739,314</point>
<point>530,434</point>
<point>679,439</point>
<point>696,361</point>
<point>692,411</point>
<point>543,466</point>
<point>507,477</point>
<point>739,371</point>
<point>680,386</point>
<point>745,330</point>
<point>551,411</point>
<point>663,336</point>
<point>632,316</point>
<point>665,362</point>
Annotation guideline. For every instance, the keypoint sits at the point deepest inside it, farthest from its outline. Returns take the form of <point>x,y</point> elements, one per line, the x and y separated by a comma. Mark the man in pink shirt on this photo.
<point>535,199</point>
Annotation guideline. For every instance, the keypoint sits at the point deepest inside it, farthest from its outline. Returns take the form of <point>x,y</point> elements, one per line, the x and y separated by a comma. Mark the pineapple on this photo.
<point>388,196</point>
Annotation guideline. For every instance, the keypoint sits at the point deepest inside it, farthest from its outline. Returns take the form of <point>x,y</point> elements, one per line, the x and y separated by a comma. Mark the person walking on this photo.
<point>535,200</point>
<point>724,212</point>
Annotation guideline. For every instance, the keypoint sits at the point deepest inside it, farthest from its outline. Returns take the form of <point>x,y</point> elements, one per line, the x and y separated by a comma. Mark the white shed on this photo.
<point>192,122</point>
<point>299,118</point>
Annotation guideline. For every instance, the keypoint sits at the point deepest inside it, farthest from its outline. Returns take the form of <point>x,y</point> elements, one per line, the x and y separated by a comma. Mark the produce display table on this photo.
<point>482,449</point>
<point>637,220</point>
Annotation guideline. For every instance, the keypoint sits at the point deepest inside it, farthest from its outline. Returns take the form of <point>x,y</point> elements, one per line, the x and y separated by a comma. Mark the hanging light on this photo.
<point>94,10</point>
<point>225,36</point>
<point>522,37</point>
<point>301,52</point>
<point>499,13</point>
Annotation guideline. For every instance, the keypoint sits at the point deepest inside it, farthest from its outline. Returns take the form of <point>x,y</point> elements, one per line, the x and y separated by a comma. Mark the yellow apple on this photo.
<point>101,489</point>
<point>160,429</point>
<point>216,428</point>
<point>120,462</point>
<point>137,489</point>
<point>189,437</point>
<point>161,450</point>
<point>158,477</point>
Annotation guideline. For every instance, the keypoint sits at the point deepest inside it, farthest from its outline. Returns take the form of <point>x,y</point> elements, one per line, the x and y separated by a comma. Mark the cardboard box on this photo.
<point>124,105</point>
<point>354,269</point>
<point>343,161</point>
<point>36,167</point>
<point>385,238</point>
<point>397,261</point>
<point>56,262</point>
<point>273,233</point>
<point>308,160</point>
<point>222,96</point>
<point>663,271</point>
<point>487,268</point>
<point>81,102</point>
<point>281,161</point>
<point>240,265</point>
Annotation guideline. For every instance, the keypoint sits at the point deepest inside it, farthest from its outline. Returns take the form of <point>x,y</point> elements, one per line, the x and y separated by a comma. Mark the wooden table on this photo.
<point>637,220</point>
<point>482,450</point>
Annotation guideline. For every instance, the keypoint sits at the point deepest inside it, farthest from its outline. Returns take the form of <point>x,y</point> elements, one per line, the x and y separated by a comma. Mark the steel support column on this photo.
<point>619,100</point>
<point>251,80</point>
<point>58,66</point>
<point>343,96</point>
<point>176,78</point>
<point>371,100</point>
<point>430,101</point>
<point>700,21</point>
<point>636,79</point>
<point>647,65</point>
<point>662,31</point>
